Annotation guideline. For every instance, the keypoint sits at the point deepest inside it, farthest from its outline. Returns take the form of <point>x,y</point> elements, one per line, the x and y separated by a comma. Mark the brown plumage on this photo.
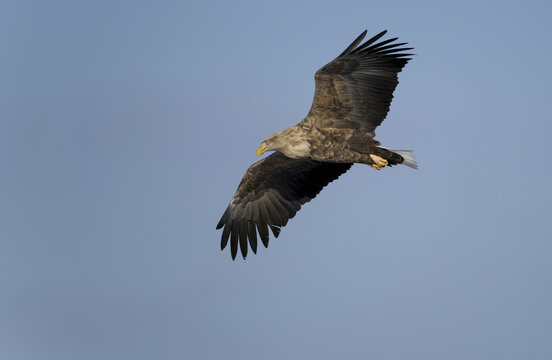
<point>352,97</point>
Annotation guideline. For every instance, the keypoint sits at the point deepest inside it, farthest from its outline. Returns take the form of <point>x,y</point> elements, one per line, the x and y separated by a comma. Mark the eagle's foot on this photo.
<point>379,162</point>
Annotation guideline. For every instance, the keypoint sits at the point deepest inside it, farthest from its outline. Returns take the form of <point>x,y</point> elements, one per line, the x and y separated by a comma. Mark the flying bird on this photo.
<point>351,98</point>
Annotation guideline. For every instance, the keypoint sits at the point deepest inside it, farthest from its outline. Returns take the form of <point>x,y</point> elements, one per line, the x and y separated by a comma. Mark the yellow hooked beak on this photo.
<point>261,149</point>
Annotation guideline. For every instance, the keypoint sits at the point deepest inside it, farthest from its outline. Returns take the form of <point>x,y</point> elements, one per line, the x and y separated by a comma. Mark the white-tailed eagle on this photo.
<point>351,98</point>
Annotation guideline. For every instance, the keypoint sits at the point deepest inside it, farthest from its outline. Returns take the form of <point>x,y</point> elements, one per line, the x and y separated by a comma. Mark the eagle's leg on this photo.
<point>363,149</point>
<point>379,162</point>
<point>378,158</point>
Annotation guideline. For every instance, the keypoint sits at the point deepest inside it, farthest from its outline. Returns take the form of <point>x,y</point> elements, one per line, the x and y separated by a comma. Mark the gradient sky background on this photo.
<point>125,128</point>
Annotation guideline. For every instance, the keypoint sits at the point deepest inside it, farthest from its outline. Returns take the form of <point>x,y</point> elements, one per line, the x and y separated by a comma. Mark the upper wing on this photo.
<point>270,193</point>
<point>355,90</point>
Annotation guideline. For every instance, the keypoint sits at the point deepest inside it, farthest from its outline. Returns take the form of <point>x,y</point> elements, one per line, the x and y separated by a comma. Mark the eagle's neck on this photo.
<point>293,142</point>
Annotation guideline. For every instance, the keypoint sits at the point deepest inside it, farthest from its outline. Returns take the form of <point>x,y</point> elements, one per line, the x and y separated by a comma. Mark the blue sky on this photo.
<point>125,128</point>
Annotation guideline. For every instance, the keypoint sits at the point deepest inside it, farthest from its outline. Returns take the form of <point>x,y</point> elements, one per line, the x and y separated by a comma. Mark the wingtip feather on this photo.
<point>354,44</point>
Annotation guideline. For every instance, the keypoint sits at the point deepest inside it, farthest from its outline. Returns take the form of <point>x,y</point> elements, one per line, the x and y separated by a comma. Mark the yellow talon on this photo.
<point>379,162</point>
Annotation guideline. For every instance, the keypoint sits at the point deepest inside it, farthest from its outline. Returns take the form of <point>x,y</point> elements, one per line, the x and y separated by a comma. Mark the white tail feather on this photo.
<point>407,156</point>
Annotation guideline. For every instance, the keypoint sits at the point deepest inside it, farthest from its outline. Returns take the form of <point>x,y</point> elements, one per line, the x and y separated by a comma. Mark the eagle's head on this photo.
<point>271,142</point>
<point>290,142</point>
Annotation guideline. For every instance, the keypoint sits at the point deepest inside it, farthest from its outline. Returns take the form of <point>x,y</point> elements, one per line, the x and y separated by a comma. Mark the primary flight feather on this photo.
<point>351,98</point>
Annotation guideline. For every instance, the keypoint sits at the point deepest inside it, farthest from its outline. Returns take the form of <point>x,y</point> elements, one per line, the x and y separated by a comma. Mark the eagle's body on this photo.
<point>352,97</point>
<point>332,145</point>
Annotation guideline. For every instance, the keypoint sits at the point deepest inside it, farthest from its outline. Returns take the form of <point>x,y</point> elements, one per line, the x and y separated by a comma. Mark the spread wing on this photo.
<point>270,193</point>
<point>355,90</point>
